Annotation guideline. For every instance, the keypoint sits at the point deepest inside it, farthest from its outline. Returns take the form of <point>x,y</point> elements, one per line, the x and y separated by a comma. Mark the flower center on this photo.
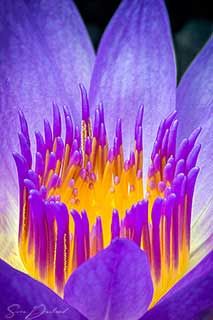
<point>81,194</point>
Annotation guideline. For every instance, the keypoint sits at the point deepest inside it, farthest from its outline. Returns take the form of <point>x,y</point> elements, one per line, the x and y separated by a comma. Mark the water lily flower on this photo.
<point>110,215</point>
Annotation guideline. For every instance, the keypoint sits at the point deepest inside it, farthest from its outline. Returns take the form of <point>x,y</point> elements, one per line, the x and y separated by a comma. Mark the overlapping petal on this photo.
<point>35,72</point>
<point>115,284</point>
<point>195,108</point>
<point>135,65</point>
<point>190,298</point>
<point>25,298</point>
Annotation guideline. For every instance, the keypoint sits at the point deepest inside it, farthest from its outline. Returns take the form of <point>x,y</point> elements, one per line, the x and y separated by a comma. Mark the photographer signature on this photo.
<point>36,312</point>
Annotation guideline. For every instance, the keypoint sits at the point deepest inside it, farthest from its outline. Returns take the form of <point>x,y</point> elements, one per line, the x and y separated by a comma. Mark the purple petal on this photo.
<point>195,109</point>
<point>65,39</point>
<point>190,298</point>
<point>135,65</point>
<point>22,293</point>
<point>40,62</point>
<point>115,284</point>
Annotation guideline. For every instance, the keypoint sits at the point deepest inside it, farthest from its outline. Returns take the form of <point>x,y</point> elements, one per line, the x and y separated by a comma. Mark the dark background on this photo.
<point>191,22</point>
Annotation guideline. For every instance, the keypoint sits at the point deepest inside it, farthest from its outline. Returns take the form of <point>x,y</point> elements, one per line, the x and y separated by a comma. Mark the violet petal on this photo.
<point>135,65</point>
<point>195,109</point>
<point>64,38</point>
<point>31,58</point>
<point>115,284</point>
<point>34,65</point>
<point>22,293</point>
<point>190,298</point>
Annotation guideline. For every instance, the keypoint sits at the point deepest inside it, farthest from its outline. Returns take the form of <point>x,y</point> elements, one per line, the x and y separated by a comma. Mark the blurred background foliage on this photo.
<point>191,22</point>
